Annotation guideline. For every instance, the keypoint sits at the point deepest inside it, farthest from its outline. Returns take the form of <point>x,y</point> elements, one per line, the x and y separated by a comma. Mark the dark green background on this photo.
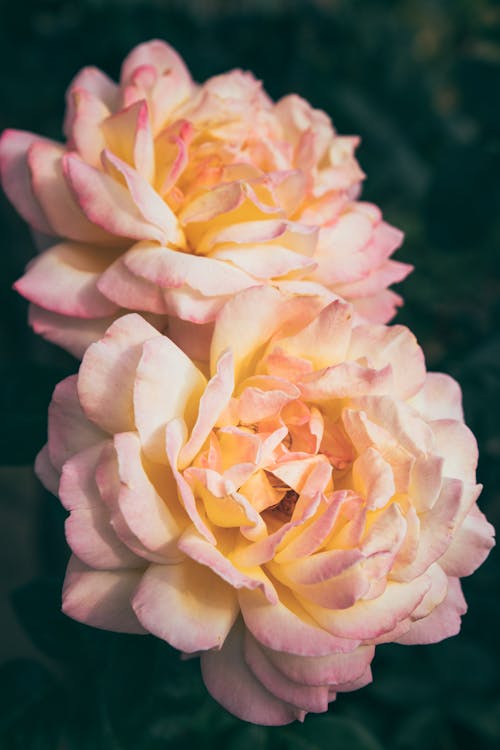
<point>420,82</point>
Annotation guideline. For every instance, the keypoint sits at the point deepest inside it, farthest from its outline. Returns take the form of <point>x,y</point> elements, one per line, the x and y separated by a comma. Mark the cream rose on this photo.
<point>311,496</point>
<point>169,197</point>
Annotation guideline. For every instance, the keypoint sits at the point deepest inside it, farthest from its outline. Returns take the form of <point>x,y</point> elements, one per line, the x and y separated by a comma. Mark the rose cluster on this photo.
<point>257,469</point>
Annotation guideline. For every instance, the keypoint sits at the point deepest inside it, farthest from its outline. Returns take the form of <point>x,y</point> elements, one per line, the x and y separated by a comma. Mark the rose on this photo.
<point>310,498</point>
<point>169,197</point>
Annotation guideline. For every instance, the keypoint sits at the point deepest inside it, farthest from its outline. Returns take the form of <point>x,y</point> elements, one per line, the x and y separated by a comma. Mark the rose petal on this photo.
<point>443,622</point>
<point>232,684</point>
<point>64,278</point>
<point>307,697</point>
<point>186,605</point>
<point>16,177</point>
<point>107,374</point>
<point>69,429</point>
<point>101,598</point>
<point>167,385</point>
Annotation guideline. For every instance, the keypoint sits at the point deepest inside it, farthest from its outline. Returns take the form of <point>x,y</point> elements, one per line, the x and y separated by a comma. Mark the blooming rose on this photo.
<point>169,197</point>
<point>314,495</point>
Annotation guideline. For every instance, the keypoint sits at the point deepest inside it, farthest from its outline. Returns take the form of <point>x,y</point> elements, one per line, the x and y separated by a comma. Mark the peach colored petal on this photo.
<point>400,420</point>
<point>312,537</point>
<point>45,471</point>
<point>124,288</point>
<point>108,204</point>
<point>96,83</point>
<point>128,135</point>
<point>156,524</point>
<point>88,529</point>
<point>373,478</point>
<point>107,374</point>
<point>331,669</point>
<point>192,306</point>
<point>167,385</point>
<point>220,200</point>
<point>381,345</point>
<point>244,334</point>
<point>258,403</point>
<point>439,525</point>
<point>325,340</point>
<point>204,553</point>
<point>307,697</point>
<point>439,398</point>
<point>229,680</point>
<point>470,545</point>
<point>45,161</point>
<point>73,334</point>
<point>458,447</point>
<point>426,478</point>
<point>186,605</point>
<point>64,278</point>
<point>101,598</point>
<point>377,280</point>
<point>193,339</point>
<point>287,627</point>
<point>380,308</point>
<point>369,619</point>
<point>172,269</point>
<point>213,401</point>
<point>16,177</point>
<point>86,112</point>
<point>265,261</point>
<point>347,379</point>
<point>175,438</point>
<point>154,70</point>
<point>442,622</point>
<point>69,429</point>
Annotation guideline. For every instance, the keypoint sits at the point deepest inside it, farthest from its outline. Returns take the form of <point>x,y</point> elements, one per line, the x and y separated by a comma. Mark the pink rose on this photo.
<point>169,197</point>
<point>311,496</point>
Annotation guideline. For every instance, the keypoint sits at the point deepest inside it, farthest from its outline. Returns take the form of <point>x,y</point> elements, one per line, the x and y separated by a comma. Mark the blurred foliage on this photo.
<point>420,81</point>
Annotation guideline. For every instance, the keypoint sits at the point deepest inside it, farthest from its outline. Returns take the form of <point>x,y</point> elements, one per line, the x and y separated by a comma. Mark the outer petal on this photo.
<point>231,683</point>
<point>64,278</point>
<point>379,308</point>
<point>16,177</point>
<point>53,194</point>
<point>152,518</point>
<point>443,622</point>
<point>186,605</point>
<point>69,429</point>
<point>470,545</point>
<point>73,334</point>
<point>107,373</point>
<point>101,598</point>
<point>458,446</point>
<point>331,669</point>
<point>88,529</point>
<point>439,398</point>
<point>46,472</point>
<point>307,697</point>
